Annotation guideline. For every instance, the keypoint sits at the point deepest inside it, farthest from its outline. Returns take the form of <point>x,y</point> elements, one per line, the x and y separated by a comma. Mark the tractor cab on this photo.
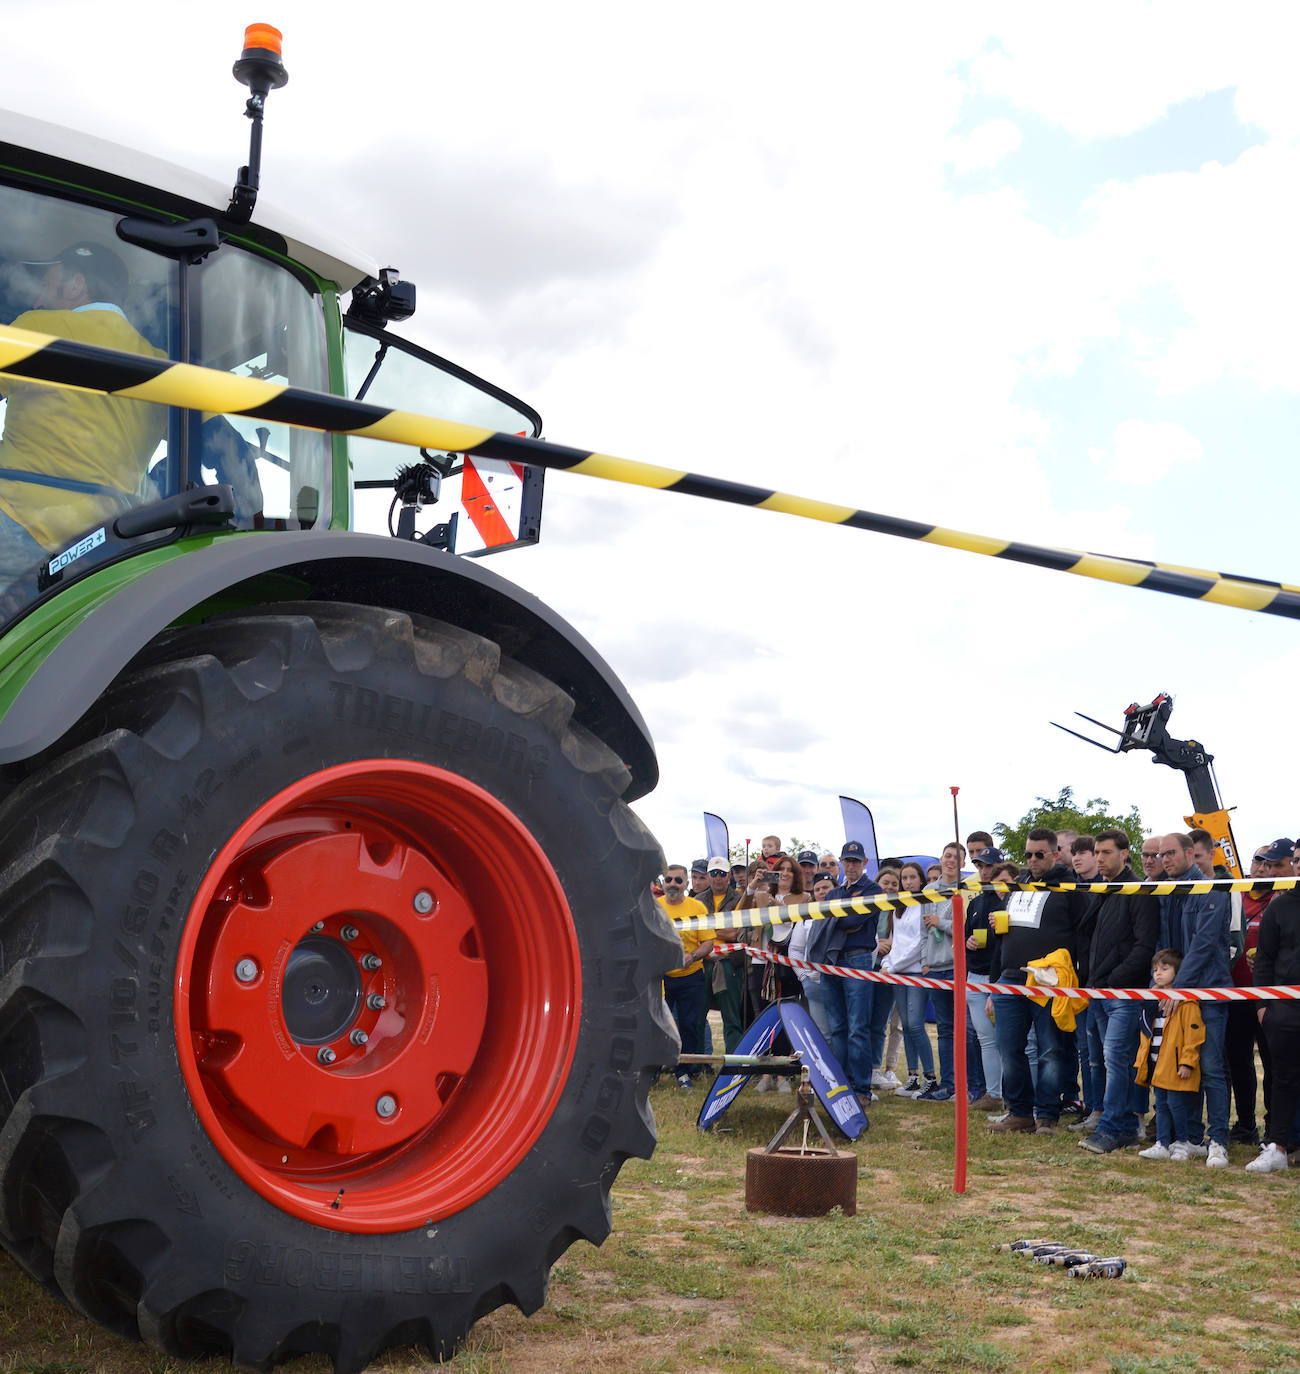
<point>103,246</point>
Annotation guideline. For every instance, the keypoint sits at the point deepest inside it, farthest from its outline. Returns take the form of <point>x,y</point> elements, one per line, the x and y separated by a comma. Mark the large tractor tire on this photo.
<point>329,983</point>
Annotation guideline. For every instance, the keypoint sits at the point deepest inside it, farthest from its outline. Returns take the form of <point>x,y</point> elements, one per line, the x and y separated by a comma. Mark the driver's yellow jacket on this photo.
<point>55,431</point>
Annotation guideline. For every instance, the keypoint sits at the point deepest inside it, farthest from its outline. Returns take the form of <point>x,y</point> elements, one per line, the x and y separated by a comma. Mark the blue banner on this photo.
<point>726,1087</point>
<point>859,826</point>
<point>827,1077</point>
<point>715,837</point>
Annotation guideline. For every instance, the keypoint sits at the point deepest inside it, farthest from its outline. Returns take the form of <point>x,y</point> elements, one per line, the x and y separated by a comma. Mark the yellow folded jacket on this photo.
<point>1064,1009</point>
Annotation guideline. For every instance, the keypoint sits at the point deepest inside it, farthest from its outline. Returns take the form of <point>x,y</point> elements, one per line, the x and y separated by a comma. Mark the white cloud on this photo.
<point>1144,451</point>
<point>985,146</point>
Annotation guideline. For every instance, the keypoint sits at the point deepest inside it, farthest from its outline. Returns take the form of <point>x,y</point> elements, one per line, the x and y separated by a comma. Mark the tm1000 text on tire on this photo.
<point>329,980</point>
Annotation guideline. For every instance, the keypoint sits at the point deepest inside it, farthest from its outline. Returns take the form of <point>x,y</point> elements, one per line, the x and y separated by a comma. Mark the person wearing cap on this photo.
<point>72,458</point>
<point>1244,1031</point>
<point>1125,928</point>
<point>981,937</point>
<point>727,978</point>
<point>807,860</point>
<point>849,942</point>
<point>699,876</point>
<point>1277,963</point>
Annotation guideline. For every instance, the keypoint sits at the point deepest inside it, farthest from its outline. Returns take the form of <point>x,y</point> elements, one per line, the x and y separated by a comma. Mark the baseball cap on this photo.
<point>699,865</point>
<point>100,265</point>
<point>719,864</point>
<point>807,856</point>
<point>853,850</point>
<point>991,855</point>
<point>1278,852</point>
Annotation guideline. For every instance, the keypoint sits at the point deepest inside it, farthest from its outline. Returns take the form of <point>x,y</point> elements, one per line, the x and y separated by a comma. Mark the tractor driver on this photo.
<point>71,458</point>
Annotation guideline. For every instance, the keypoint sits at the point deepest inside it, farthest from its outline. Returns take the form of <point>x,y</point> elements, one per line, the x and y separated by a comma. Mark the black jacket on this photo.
<point>1277,956</point>
<point>1038,923</point>
<point>1124,937</point>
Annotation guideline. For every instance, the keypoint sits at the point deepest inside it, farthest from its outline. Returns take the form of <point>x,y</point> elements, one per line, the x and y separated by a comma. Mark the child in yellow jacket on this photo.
<point>1169,1059</point>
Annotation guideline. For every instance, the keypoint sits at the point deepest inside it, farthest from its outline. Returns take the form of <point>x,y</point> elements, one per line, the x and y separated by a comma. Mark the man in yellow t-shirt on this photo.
<point>686,989</point>
<point>95,448</point>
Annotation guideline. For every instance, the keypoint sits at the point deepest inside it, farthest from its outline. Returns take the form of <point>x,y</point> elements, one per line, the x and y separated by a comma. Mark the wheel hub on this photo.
<point>322,991</point>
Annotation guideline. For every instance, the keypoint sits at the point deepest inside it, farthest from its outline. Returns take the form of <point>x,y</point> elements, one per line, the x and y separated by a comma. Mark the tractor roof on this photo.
<point>102,164</point>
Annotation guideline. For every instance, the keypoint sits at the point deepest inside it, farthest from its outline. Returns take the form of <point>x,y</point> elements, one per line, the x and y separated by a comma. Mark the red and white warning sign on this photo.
<point>501,504</point>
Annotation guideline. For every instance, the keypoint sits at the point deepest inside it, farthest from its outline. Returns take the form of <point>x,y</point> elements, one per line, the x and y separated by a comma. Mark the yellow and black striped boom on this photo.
<point>63,362</point>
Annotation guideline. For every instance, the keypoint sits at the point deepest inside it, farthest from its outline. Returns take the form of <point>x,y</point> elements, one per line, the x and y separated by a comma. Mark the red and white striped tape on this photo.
<point>907,980</point>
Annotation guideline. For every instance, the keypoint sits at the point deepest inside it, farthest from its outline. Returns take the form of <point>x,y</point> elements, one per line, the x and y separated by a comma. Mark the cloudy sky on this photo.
<point>1026,270</point>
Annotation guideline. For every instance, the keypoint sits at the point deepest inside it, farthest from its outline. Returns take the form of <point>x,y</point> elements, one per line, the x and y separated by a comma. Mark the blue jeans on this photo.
<point>1092,1080</point>
<point>1214,1072</point>
<point>989,1071</point>
<point>848,1011</point>
<point>882,1008</point>
<point>687,998</point>
<point>1118,1026</point>
<point>1178,1117</point>
<point>1024,1095</point>
<point>911,1012</point>
<point>944,1019</point>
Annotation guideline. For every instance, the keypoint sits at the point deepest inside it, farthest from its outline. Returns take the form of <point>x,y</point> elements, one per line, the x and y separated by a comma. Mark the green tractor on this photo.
<point>329,972</point>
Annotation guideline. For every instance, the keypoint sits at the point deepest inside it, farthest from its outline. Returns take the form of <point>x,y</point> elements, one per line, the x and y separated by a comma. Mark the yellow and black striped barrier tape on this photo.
<point>64,362</point>
<point>759,918</point>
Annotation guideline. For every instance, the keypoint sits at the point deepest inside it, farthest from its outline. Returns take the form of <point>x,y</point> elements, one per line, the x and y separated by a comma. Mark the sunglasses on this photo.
<point>1035,853</point>
<point>718,873</point>
<point>674,882</point>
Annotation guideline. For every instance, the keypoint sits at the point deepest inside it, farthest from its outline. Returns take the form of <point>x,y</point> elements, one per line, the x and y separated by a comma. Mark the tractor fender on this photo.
<point>322,565</point>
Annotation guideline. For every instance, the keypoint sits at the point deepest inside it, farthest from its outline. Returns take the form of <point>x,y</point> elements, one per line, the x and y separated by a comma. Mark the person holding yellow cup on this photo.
<point>981,914</point>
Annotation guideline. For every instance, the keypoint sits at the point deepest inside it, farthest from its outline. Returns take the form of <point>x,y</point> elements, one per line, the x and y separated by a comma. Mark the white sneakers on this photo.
<point>1271,1158</point>
<point>885,1081</point>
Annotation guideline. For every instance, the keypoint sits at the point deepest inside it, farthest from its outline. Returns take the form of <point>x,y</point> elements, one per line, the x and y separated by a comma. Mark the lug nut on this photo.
<point>319,926</point>
<point>246,970</point>
<point>386,1106</point>
<point>375,1002</point>
<point>370,962</point>
<point>423,902</point>
<point>326,1055</point>
<point>358,1036</point>
<point>348,934</point>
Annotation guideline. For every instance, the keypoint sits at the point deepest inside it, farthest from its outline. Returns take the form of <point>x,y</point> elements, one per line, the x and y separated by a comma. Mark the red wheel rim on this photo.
<point>377,996</point>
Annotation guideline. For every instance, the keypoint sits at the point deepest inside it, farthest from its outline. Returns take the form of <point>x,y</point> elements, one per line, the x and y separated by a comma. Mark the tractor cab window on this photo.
<point>71,461</point>
<point>384,370</point>
<point>254,318</point>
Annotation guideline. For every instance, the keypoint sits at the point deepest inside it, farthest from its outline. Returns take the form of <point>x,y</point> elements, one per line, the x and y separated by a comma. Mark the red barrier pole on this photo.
<point>959,1040</point>
<point>962,1098</point>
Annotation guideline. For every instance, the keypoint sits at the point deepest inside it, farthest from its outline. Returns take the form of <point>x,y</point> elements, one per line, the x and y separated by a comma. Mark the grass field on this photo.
<point>690,1281</point>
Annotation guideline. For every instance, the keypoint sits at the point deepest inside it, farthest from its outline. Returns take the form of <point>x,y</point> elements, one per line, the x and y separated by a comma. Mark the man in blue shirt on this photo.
<point>849,942</point>
<point>1197,926</point>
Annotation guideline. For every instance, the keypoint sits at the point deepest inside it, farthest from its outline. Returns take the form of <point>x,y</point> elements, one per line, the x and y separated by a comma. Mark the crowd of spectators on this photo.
<point>1034,1065</point>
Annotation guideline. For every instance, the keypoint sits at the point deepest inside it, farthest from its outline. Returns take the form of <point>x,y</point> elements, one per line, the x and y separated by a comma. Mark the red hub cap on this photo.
<point>377,996</point>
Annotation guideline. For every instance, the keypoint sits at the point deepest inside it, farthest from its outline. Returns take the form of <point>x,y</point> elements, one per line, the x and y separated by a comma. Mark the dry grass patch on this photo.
<point>689,1281</point>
